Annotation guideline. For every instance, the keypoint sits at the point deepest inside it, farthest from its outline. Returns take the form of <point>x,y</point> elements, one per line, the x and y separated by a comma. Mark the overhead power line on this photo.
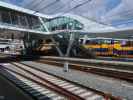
<point>30,3</point>
<point>38,4</point>
<point>69,2</point>
<point>96,21</point>
<point>77,6</point>
<point>48,5</point>
<point>125,13</point>
<point>121,14</point>
<point>123,22</point>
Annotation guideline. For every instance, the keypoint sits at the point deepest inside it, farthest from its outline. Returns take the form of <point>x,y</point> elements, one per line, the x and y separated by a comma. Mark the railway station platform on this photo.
<point>124,65</point>
<point>108,85</point>
<point>9,91</point>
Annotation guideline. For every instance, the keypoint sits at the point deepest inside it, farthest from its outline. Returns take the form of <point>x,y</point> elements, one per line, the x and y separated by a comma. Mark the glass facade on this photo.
<point>21,20</point>
<point>62,23</point>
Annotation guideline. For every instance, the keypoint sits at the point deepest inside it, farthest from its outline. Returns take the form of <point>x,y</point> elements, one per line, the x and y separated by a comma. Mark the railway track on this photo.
<point>43,83</point>
<point>104,71</point>
<point>36,91</point>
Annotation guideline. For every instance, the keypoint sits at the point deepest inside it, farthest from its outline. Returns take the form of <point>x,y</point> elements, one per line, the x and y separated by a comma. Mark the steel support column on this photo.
<point>45,27</point>
<point>57,48</point>
<point>71,40</point>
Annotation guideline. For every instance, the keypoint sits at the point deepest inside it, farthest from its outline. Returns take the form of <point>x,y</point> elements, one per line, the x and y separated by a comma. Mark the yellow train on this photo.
<point>45,47</point>
<point>109,47</point>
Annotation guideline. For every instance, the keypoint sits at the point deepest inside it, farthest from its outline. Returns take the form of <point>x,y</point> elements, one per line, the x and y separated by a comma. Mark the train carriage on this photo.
<point>109,47</point>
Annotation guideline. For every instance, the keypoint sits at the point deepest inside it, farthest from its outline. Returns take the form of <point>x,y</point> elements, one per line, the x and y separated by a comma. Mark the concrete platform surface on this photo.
<point>9,91</point>
<point>97,61</point>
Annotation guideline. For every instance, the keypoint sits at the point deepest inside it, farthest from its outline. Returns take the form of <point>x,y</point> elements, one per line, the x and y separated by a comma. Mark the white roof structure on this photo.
<point>3,46</point>
<point>89,25</point>
<point>20,9</point>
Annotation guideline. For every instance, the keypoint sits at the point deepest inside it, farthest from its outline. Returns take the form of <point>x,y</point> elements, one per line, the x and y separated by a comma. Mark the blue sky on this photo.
<point>121,14</point>
<point>106,11</point>
<point>17,2</point>
<point>110,4</point>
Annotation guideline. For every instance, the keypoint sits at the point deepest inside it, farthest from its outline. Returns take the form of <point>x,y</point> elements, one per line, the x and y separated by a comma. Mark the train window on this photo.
<point>48,40</point>
<point>108,41</point>
<point>87,42</point>
<point>81,41</point>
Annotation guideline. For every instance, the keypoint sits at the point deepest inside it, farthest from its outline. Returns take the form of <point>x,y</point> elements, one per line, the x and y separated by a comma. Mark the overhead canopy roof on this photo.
<point>115,12</point>
<point>89,25</point>
<point>84,20</point>
<point>93,9</point>
<point>3,46</point>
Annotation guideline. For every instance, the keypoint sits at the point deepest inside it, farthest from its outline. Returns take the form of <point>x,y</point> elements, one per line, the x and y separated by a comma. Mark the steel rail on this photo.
<point>49,85</point>
<point>114,73</point>
<point>56,88</point>
<point>107,96</point>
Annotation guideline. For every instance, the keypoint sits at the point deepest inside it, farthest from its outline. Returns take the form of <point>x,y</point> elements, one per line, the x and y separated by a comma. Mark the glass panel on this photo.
<point>5,17</point>
<point>14,18</point>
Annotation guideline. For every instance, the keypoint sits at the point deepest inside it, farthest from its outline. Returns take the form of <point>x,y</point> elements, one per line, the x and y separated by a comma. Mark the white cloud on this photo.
<point>121,12</point>
<point>93,9</point>
<point>96,9</point>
